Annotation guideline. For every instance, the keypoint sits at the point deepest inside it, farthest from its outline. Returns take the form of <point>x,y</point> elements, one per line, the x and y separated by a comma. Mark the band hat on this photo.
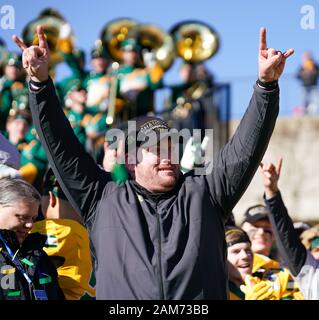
<point>14,59</point>
<point>130,44</point>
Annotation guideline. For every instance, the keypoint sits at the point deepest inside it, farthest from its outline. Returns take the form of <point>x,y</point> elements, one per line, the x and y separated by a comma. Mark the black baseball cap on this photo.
<point>256,213</point>
<point>149,131</point>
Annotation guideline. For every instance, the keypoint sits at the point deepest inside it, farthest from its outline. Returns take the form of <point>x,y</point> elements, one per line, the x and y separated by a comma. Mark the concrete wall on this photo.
<point>297,141</point>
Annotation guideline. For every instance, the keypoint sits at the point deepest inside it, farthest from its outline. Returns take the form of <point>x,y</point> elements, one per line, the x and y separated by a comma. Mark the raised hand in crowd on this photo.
<point>35,59</point>
<point>270,174</point>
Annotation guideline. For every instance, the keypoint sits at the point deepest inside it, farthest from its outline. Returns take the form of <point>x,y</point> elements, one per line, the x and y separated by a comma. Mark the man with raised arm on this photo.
<point>301,263</point>
<point>159,235</point>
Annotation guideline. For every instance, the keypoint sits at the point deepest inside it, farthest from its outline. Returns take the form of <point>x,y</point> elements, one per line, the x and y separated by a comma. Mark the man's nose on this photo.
<point>29,224</point>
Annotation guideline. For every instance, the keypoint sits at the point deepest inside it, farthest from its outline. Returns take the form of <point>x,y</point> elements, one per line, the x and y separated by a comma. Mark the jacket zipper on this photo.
<point>162,295</point>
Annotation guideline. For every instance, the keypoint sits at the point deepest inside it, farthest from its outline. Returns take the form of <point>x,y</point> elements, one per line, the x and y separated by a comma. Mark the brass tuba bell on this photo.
<point>114,33</point>
<point>152,38</point>
<point>195,41</point>
<point>57,31</point>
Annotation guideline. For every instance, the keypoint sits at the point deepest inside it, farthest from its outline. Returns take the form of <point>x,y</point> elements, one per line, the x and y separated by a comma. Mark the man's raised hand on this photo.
<point>271,62</point>
<point>35,59</point>
<point>271,174</point>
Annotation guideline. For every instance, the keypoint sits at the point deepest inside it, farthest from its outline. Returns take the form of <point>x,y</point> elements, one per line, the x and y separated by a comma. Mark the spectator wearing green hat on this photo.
<point>33,160</point>
<point>137,82</point>
<point>14,92</point>
<point>75,109</point>
<point>76,62</point>
<point>97,81</point>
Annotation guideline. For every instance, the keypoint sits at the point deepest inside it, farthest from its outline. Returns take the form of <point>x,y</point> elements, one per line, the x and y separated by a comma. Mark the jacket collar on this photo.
<point>157,196</point>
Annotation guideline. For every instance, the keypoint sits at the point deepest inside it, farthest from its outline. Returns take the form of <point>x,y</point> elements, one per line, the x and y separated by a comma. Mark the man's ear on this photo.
<point>52,199</point>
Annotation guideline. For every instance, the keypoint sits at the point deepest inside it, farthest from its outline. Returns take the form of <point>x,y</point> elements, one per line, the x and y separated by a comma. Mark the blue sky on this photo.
<point>237,23</point>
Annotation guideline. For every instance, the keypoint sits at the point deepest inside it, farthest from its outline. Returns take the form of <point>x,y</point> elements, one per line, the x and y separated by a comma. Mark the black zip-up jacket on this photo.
<point>149,246</point>
<point>38,267</point>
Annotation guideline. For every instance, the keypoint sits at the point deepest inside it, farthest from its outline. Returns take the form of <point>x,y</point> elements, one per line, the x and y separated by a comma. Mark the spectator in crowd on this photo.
<point>257,225</point>
<point>33,160</point>
<point>28,271</point>
<point>137,78</point>
<point>243,283</point>
<point>14,90</point>
<point>301,263</point>
<point>67,241</point>
<point>97,82</point>
<point>308,74</point>
<point>191,96</point>
<point>159,235</point>
<point>310,239</point>
<point>240,264</point>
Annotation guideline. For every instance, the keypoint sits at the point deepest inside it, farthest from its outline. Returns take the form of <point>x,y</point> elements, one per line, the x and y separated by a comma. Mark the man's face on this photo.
<point>19,218</point>
<point>129,57</point>
<point>13,73</point>
<point>154,169</point>
<point>77,100</point>
<point>99,64</point>
<point>240,256</point>
<point>260,235</point>
<point>17,129</point>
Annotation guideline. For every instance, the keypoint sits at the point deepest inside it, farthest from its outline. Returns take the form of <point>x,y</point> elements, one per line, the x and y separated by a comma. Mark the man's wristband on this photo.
<point>34,85</point>
<point>267,85</point>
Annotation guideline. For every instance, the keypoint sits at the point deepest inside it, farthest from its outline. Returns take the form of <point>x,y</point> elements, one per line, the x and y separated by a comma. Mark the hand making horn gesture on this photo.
<point>271,174</point>
<point>35,59</point>
<point>271,62</point>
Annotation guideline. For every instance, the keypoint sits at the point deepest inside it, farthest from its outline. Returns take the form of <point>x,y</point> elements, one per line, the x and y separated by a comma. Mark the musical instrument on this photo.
<point>153,39</point>
<point>195,41</point>
<point>112,96</point>
<point>57,31</point>
<point>114,33</point>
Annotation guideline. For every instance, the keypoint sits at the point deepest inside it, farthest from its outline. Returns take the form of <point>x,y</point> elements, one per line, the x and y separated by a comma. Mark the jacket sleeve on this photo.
<point>79,176</point>
<point>289,245</point>
<point>236,163</point>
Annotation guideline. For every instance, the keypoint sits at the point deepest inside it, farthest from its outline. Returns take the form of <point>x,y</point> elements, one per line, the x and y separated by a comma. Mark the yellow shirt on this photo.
<point>282,282</point>
<point>69,239</point>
